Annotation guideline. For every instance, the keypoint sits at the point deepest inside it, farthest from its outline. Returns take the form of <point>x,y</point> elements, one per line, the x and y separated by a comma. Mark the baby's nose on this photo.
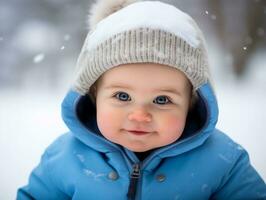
<point>140,116</point>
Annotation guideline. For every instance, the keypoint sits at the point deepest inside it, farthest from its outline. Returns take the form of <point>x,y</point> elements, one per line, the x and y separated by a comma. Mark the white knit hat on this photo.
<point>130,31</point>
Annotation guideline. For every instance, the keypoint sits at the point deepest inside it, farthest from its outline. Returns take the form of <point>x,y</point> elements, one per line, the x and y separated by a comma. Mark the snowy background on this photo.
<point>39,45</point>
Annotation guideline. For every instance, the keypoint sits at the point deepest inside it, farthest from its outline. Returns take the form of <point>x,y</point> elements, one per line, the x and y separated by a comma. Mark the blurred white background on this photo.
<point>39,45</point>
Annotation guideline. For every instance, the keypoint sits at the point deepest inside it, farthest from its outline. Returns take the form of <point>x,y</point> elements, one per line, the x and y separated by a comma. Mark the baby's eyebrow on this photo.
<point>166,89</point>
<point>118,86</point>
<point>170,90</point>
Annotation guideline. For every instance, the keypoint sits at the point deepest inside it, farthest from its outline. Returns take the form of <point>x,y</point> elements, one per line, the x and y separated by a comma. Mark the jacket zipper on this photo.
<point>134,178</point>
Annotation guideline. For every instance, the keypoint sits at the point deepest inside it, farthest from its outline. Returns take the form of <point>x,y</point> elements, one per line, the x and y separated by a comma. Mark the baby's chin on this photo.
<point>139,149</point>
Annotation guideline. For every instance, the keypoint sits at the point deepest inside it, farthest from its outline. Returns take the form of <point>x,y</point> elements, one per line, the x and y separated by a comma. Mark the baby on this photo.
<point>142,115</point>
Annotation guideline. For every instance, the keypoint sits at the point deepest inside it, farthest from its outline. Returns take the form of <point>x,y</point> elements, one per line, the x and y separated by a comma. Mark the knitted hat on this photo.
<point>130,31</point>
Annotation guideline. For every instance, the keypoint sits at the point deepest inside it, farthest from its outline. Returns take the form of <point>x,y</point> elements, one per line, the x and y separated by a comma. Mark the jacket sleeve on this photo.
<point>40,184</point>
<point>242,182</point>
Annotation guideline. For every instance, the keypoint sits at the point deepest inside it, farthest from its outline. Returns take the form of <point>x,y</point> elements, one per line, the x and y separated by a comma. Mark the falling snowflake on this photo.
<point>62,47</point>
<point>66,37</point>
<point>206,12</point>
<point>38,58</point>
<point>245,48</point>
<point>213,17</point>
<point>260,32</point>
<point>248,40</point>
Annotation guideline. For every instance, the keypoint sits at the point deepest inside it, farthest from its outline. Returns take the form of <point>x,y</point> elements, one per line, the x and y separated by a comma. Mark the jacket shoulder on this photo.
<point>237,169</point>
<point>221,142</point>
<point>63,143</point>
<point>223,150</point>
<point>45,181</point>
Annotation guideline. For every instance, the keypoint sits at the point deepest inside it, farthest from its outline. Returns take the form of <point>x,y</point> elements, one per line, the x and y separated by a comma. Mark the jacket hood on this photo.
<point>79,114</point>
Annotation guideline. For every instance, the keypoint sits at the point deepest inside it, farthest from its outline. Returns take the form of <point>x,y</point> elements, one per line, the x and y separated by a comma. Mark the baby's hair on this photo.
<point>194,99</point>
<point>92,92</point>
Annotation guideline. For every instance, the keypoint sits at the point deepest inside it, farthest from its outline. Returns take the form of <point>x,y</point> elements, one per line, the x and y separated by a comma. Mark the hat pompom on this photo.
<point>103,8</point>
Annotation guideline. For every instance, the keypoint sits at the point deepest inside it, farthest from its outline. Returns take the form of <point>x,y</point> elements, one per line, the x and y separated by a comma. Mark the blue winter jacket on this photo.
<point>203,164</point>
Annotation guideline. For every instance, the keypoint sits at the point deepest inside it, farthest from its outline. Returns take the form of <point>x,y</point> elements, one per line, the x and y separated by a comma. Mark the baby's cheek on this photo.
<point>104,122</point>
<point>174,124</point>
<point>107,123</point>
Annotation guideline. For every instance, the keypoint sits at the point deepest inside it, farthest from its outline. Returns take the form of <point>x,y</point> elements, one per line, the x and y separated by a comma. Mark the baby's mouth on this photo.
<point>138,132</point>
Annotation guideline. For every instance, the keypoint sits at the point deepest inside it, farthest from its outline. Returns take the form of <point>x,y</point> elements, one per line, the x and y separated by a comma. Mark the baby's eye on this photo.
<point>122,96</point>
<point>161,100</point>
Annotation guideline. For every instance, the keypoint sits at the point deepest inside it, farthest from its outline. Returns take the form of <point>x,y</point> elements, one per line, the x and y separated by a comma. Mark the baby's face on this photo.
<point>142,106</point>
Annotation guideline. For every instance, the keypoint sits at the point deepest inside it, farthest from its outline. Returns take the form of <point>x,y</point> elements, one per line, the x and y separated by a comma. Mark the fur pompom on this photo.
<point>103,8</point>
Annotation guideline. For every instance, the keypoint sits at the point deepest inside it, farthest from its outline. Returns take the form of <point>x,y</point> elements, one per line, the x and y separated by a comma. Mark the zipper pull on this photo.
<point>134,177</point>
